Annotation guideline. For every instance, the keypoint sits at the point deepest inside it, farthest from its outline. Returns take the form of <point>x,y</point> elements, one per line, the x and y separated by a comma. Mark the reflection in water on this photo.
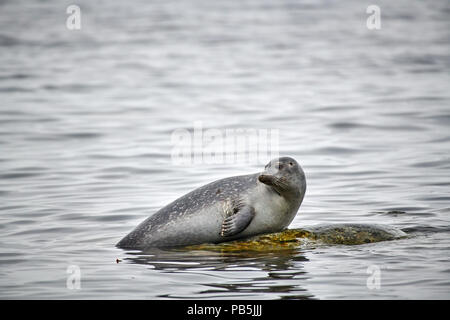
<point>278,272</point>
<point>274,263</point>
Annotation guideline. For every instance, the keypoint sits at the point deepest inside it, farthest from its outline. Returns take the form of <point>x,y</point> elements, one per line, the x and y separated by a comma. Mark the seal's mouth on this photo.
<point>277,184</point>
<point>266,179</point>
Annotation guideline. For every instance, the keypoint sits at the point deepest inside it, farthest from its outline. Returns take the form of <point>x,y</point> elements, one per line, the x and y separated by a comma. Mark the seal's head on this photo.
<point>285,176</point>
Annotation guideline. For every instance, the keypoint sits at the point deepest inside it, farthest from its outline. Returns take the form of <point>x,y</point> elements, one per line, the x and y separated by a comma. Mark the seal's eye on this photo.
<point>291,164</point>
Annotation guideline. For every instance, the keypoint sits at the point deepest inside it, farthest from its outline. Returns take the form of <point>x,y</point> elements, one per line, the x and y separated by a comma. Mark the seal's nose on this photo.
<point>264,178</point>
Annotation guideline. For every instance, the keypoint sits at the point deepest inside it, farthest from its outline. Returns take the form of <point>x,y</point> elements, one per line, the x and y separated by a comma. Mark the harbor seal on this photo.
<point>227,209</point>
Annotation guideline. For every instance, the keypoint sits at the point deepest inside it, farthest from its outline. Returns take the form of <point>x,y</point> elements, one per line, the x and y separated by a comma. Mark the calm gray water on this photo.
<point>86,118</point>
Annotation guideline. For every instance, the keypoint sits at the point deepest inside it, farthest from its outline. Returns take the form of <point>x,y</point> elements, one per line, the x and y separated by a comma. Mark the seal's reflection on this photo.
<point>280,271</point>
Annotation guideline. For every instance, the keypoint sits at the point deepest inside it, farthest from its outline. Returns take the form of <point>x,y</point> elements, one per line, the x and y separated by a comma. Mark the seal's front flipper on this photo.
<point>237,220</point>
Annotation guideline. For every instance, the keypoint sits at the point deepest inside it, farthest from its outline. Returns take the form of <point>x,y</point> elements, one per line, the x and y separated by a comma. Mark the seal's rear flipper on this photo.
<point>237,220</point>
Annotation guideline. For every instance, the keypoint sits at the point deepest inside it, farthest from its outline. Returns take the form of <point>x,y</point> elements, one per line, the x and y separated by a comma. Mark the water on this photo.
<point>86,118</point>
